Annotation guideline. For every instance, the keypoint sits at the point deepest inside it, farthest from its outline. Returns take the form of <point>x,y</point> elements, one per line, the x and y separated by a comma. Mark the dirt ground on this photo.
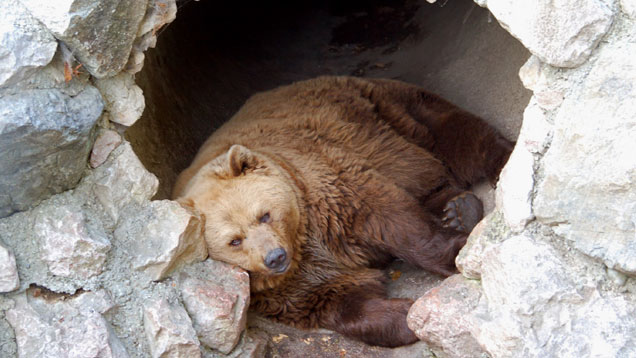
<point>216,54</point>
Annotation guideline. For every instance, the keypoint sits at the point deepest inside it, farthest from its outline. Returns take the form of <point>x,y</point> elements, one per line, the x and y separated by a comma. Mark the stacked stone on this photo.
<point>551,272</point>
<point>89,265</point>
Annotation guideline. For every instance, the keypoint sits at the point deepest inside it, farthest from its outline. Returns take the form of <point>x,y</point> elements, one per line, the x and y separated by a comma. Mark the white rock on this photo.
<point>523,275</point>
<point>25,45</point>
<point>588,190</point>
<point>521,279</point>
<point>603,327</point>
<point>169,331</point>
<point>124,99</point>
<point>158,14</point>
<point>468,261</point>
<point>217,299</point>
<point>600,327</point>
<point>537,305</point>
<point>34,335</point>
<point>629,8</point>
<point>121,180</point>
<point>107,140</point>
<point>67,246</point>
<point>562,33</point>
<point>500,335</point>
<point>160,236</point>
<point>99,301</point>
<point>616,276</point>
<point>514,189</point>
<point>9,279</point>
<point>99,33</point>
<point>490,231</point>
<point>536,131</point>
<point>543,80</point>
<point>56,327</point>
<point>531,72</point>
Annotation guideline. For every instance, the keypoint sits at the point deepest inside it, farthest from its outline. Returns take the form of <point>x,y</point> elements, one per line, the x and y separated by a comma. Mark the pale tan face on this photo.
<point>250,220</point>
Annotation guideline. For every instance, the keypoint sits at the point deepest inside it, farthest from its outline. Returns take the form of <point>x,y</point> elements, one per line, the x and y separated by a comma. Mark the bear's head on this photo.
<point>251,213</point>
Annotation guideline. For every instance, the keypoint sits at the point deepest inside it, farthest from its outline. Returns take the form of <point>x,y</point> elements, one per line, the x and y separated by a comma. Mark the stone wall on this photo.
<point>84,252</point>
<point>91,267</point>
<point>551,272</point>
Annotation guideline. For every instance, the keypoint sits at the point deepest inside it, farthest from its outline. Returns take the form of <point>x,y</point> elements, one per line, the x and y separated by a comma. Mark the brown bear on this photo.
<point>315,186</point>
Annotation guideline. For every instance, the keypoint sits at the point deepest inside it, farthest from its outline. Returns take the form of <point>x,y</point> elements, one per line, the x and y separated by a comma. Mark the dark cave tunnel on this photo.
<point>216,54</point>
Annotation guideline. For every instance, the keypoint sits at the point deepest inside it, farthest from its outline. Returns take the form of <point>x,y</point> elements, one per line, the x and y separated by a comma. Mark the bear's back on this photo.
<point>332,125</point>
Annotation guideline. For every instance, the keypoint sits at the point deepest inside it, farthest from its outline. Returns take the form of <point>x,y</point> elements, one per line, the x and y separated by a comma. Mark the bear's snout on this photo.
<point>276,259</point>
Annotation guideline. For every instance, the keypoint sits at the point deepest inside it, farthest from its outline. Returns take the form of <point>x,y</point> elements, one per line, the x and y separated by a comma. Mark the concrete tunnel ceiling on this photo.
<point>216,54</point>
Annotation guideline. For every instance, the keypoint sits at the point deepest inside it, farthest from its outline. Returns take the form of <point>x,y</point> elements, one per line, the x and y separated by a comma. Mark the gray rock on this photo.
<point>107,140</point>
<point>25,45</point>
<point>216,295</point>
<point>443,318</point>
<point>9,279</point>
<point>169,331</point>
<point>44,144</point>
<point>99,33</point>
<point>67,245</point>
<point>122,180</point>
<point>124,99</point>
<point>562,33</point>
<point>161,235</point>
<point>588,190</point>
<point>61,327</point>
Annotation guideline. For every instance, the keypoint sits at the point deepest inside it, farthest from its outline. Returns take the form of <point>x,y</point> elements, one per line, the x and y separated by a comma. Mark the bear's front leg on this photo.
<point>364,312</point>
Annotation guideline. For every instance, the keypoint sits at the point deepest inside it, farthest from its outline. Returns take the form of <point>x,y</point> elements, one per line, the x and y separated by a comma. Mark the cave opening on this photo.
<point>216,54</point>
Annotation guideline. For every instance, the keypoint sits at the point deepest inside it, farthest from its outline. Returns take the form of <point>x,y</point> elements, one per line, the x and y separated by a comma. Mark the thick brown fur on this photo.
<point>344,174</point>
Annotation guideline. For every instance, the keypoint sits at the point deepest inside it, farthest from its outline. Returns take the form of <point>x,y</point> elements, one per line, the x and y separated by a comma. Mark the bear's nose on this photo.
<point>275,259</point>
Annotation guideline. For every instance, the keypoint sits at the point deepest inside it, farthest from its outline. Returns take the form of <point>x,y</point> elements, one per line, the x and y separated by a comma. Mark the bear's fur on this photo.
<point>313,187</point>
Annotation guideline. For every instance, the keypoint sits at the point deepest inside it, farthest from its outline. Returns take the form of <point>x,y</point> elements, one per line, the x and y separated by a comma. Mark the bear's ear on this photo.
<point>242,160</point>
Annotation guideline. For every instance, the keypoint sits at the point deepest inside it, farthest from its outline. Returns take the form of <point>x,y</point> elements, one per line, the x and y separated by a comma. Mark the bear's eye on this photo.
<point>236,242</point>
<point>265,218</point>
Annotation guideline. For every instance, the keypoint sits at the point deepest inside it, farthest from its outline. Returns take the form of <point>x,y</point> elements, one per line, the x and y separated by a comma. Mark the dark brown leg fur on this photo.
<point>434,251</point>
<point>399,225</point>
<point>411,233</point>
<point>471,149</point>
<point>365,313</point>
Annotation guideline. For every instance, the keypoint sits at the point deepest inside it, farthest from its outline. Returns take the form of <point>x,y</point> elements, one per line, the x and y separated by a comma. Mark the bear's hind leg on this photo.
<point>365,313</point>
<point>434,249</point>
<point>400,226</point>
<point>471,148</point>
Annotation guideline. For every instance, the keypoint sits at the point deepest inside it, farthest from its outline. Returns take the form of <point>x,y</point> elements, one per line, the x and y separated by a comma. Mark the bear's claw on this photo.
<point>463,212</point>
